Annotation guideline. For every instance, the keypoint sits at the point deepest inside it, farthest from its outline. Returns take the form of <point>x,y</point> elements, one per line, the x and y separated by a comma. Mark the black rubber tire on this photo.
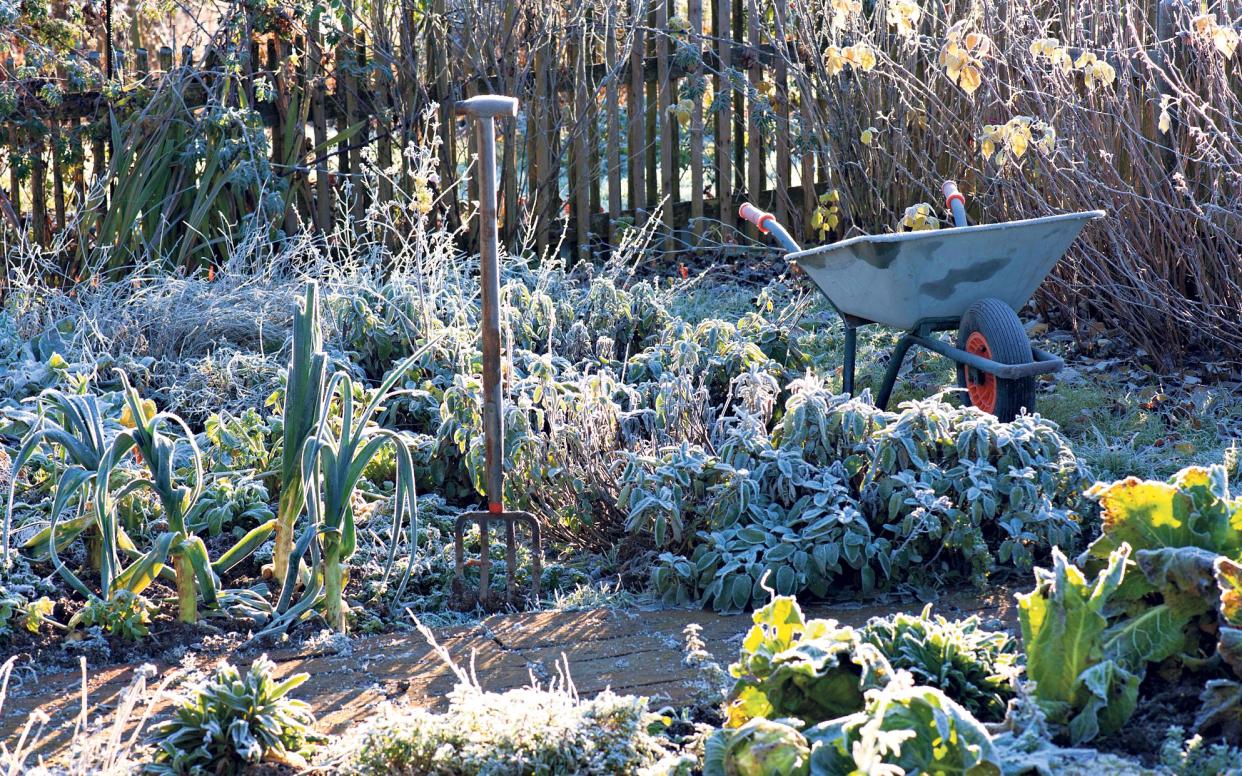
<point>1008,343</point>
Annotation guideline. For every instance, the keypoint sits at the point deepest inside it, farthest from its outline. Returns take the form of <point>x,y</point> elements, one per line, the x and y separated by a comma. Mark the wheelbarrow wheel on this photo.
<point>991,329</point>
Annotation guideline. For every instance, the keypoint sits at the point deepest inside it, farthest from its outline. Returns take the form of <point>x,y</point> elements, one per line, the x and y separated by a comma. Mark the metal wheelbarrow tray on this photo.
<point>969,278</point>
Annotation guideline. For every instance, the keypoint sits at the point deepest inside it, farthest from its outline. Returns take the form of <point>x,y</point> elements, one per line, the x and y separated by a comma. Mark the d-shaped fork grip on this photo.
<point>488,106</point>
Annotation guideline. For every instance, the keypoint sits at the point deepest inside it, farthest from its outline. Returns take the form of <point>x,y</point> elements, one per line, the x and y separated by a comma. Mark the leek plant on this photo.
<point>93,456</point>
<point>303,405</point>
<point>182,506</point>
<point>332,461</point>
<point>74,424</point>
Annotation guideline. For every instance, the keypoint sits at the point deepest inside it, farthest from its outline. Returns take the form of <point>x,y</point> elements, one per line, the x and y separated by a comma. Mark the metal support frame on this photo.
<point>921,335</point>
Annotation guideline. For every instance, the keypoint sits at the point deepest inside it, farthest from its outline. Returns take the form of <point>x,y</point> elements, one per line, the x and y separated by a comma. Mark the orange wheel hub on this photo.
<point>980,386</point>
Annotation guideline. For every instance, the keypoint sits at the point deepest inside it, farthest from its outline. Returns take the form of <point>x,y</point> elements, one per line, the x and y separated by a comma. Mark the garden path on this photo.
<point>630,651</point>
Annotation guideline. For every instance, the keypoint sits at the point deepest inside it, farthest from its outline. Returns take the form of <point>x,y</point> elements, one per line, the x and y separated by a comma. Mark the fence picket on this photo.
<point>695,13</point>
<point>315,76</point>
<point>781,97</point>
<point>613,140</point>
<point>38,194</point>
<point>580,159</point>
<point>611,98</point>
<point>724,113</point>
<point>754,142</point>
<point>668,148</point>
<point>637,112</point>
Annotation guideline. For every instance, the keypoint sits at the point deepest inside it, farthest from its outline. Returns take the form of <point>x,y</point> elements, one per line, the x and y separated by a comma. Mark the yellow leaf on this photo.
<point>833,61</point>
<point>971,79</point>
<point>989,148</point>
<point>1018,142</point>
<point>1166,122</point>
<point>1226,41</point>
<point>147,407</point>
<point>868,136</point>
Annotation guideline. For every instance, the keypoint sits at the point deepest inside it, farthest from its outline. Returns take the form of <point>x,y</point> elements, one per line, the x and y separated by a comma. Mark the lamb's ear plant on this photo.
<point>304,395</point>
<point>234,721</point>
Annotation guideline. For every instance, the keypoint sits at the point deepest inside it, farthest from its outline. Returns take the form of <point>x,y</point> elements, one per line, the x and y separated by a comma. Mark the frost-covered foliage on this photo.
<point>840,492</point>
<point>20,609</point>
<point>1196,757</point>
<point>232,721</point>
<point>810,670</point>
<point>815,697</point>
<point>523,731</point>
<point>972,665</point>
<point>904,729</point>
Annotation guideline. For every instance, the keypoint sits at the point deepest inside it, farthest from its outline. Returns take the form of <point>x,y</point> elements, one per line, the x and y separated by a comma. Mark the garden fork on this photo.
<point>484,109</point>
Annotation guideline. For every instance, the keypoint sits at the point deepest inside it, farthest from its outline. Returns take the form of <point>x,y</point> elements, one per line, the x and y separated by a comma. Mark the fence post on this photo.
<point>668,149</point>
<point>637,111</point>
<point>695,13</point>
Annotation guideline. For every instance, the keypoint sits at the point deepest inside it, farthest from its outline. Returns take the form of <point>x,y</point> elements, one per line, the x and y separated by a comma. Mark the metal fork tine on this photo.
<point>467,598</point>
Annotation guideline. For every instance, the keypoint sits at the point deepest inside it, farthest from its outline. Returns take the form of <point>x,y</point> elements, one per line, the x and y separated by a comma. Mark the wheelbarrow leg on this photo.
<point>851,350</point>
<point>894,367</point>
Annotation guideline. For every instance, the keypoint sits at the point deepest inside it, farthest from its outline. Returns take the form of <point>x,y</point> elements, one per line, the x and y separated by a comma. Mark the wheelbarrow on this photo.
<point>968,278</point>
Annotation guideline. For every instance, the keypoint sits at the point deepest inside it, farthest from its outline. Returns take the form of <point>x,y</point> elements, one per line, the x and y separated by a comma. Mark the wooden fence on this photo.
<point>619,122</point>
<point>612,130</point>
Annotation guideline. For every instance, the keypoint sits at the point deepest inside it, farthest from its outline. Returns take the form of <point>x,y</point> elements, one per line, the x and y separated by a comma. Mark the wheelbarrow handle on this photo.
<point>955,201</point>
<point>767,223</point>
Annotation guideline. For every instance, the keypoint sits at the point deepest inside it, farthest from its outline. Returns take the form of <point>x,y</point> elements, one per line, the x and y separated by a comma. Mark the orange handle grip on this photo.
<point>748,212</point>
<point>955,201</point>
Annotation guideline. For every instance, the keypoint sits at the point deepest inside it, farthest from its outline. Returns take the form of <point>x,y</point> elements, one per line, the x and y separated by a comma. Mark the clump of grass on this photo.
<point>1145,430</point>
